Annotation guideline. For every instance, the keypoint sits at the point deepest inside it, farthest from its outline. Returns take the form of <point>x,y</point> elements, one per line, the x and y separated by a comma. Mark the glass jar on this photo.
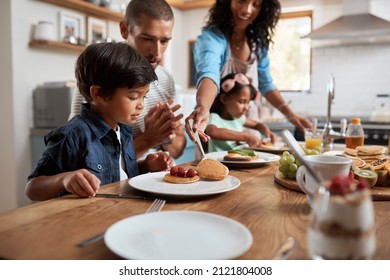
<point>355,134</point>
<point>342,226</point>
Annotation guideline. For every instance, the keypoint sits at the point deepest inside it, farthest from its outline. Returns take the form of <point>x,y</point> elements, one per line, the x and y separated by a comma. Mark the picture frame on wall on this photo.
<point>71,25</point>
<point>96,29</point>
<point>191,65</point>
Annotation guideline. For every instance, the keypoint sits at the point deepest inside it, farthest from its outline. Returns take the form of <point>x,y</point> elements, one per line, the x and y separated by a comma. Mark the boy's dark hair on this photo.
<point>112,66</point>
<point>217,106</point>
<point>259,32</point>
<point>156,9</point>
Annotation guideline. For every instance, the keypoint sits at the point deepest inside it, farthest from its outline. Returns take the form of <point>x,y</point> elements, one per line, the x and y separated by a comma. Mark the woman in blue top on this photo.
<point>236,39</point>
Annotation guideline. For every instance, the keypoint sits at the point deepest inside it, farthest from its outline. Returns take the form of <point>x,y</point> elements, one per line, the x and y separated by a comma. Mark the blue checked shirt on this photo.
<point>87,142</point>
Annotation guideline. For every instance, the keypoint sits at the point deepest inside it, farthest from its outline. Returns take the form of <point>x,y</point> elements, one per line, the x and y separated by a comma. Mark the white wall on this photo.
<point>22,68</point>
<point>8,193</point>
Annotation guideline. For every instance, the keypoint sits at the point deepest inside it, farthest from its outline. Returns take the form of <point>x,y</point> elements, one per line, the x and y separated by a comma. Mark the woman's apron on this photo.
<point>248,68</point>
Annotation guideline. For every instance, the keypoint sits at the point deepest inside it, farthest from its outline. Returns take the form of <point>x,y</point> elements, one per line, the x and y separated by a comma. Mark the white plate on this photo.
<point>154,183</point>
<point>333,153</point>
<point>263,159</point>
<point>277,148</point>
<point>178,235</point>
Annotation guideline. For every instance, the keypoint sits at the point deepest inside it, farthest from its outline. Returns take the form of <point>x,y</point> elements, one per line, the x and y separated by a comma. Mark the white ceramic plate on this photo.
<point>154,183</point>
<point>178,235</point>
<point>277,148</point>
<point>263,159</point>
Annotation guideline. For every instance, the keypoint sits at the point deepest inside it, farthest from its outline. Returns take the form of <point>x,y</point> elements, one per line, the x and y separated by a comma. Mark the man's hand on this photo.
<point>160,123</point>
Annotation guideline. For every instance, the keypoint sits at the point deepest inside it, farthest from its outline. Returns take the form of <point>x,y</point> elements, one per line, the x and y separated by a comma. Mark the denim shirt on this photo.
<point>211,53</point>
<point>86,141</point>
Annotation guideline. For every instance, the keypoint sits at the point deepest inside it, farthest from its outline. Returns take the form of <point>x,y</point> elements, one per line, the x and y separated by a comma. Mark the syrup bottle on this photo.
<point>355,134</point>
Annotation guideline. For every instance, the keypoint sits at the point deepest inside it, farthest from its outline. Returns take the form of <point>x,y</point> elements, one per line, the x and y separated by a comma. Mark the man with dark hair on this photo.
<point>147,27</point>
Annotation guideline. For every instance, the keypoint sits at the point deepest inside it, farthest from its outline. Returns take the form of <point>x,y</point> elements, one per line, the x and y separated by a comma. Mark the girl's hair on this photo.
<point>218,106</point>
<point>112,66</point>
<point>260,31</point>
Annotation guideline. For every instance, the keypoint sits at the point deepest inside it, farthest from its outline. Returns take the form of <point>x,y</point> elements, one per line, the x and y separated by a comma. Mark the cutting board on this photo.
<point>378,193</point>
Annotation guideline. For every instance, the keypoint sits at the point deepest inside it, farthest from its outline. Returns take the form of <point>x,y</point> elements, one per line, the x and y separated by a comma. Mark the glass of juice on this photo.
<point>313,138</point>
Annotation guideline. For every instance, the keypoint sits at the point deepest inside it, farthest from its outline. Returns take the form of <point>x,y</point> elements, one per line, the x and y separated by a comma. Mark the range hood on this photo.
<point>356,25</point>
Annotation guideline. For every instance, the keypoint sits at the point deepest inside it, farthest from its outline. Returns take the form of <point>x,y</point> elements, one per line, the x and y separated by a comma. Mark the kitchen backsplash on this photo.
<point>361,72</point>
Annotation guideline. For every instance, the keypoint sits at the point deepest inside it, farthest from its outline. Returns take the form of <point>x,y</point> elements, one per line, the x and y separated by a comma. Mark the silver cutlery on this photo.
<point>286,250</point>
<point>122,195</point>
<point>156,206</point>
<point>197,139</point>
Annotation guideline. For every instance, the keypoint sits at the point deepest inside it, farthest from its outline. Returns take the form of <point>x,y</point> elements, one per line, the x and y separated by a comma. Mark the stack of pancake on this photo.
<point>368,153</point>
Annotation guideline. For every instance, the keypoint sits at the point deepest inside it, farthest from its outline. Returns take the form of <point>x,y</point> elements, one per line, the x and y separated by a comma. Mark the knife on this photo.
<point>122,195</point>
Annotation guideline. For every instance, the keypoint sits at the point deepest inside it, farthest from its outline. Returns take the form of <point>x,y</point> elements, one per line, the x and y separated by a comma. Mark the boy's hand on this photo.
<point>82,183</point>
<point>159,161</point>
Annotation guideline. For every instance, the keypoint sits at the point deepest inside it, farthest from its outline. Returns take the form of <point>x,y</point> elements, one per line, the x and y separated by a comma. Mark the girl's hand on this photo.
<point>82,183</point>
<point>159,161</point>
<point>252,140</point>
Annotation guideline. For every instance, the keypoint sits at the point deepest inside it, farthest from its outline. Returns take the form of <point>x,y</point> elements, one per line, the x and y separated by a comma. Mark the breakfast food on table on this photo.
<point>212,169</point>
<point>379,168</point>
<point>288,165</point>
<point>241,155</point>
<point>178,175</point>
<point>370,176</point>
<point>368,153</point>
<point>344,227</point>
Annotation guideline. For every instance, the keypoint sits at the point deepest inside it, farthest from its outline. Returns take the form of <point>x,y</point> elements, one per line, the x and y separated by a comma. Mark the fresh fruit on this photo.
<point>363,184</point>
<point>288,164</point>
<point>342,185</point>
<point>190,173</point>
<point>181,172</point>
<point>383,175</point>
<point>378,164</point>
<point>173,171</point>
<point>370,176</point>
<point>339,185</point>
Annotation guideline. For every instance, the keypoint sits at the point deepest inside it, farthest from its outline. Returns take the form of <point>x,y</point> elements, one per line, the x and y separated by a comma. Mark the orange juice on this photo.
<point>353,141</point>
<point>311,143</point>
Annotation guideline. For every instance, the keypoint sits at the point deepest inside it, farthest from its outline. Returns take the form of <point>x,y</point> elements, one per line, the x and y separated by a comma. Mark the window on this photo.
<point>290,55</point>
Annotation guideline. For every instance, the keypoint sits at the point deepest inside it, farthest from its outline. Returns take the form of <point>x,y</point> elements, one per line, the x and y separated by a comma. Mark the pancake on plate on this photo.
<point>212,169</point>
<point>241,155</point>
<point>180,180</point>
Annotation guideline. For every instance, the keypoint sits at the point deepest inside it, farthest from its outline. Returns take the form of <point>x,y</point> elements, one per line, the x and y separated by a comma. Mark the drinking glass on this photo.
<point>313,138</point>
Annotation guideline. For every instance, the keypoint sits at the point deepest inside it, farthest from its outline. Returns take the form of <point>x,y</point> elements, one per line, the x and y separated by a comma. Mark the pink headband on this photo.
<point>240,78</point>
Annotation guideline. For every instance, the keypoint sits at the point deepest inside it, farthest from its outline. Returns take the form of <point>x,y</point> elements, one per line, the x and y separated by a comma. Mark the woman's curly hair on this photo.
<point>259,33</point>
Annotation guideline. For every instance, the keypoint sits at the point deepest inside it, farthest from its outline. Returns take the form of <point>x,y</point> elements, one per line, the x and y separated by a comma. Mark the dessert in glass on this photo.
<point>342,222</point>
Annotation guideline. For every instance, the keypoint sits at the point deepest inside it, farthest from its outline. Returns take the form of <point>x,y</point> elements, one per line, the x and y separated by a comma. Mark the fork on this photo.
<point>156,206</point>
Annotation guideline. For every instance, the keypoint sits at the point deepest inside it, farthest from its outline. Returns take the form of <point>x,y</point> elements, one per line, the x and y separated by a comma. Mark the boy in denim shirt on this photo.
<point>96,147</point>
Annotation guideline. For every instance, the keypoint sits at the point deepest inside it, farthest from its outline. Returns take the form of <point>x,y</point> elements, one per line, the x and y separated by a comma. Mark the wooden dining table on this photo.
<point>52,229</point>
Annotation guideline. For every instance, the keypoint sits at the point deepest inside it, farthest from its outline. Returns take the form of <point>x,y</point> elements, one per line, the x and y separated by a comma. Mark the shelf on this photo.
<point>190,4</point>
<point>56,45</point>
<point>87,8</point>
